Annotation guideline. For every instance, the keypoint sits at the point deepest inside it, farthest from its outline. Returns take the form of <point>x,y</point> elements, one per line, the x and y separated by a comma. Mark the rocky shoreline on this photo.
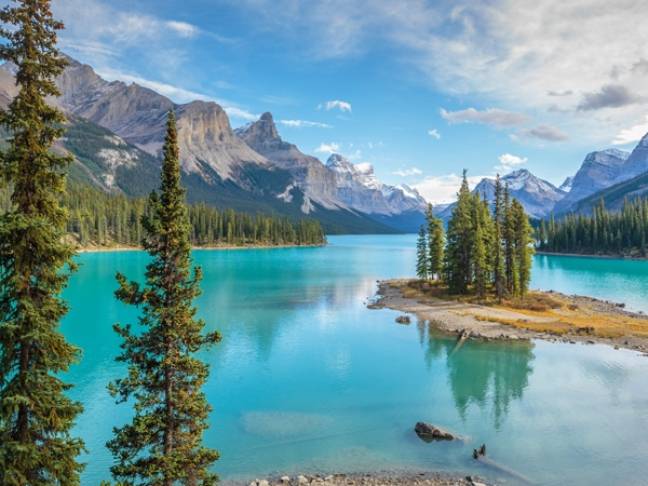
<point>485,322</point>
<point>119,248</point>
<point>395,478</point>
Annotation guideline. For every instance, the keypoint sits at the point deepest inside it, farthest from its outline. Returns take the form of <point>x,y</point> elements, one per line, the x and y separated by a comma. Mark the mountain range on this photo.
<point>610,175</point>
<point>116,131</point>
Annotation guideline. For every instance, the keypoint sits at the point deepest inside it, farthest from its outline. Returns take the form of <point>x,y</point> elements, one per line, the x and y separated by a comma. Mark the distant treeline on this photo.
<point>605,232</point>
<point>100,219</point>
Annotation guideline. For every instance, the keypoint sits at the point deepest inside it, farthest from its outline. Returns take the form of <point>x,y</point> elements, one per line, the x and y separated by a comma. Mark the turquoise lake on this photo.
<point>308,379</point>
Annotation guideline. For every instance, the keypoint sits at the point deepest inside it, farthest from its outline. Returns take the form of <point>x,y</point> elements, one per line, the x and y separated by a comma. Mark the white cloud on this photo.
<point>328,148</point>
<point>343,106</point>
<point>434,133</point>
<point>364,167</point>
<point>507,53</point>
<point>509,162</point>
<point>97,21</point>
<point>412,171</point>
<point>632,134</point>
<point>183,29</point>
<point>492,116</point>
<point>443,189</point>
<point>304,124</point>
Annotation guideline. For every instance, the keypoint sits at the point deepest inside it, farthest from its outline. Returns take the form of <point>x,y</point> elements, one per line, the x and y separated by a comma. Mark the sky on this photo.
<point>419,89</point>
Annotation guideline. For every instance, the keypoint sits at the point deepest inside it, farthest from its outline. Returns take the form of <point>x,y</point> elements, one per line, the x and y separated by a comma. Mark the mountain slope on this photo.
<point>536,195</point>
<point>611,175</point>
<point>317,183</point>
<point>116,131</point>
<point>599,170</point>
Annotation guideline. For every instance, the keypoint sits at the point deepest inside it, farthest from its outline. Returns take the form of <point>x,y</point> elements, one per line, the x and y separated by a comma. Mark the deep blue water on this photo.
<point>307,378</point>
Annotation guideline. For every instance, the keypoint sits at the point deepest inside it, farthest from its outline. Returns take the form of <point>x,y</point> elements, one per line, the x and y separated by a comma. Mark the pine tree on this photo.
<point>480,261</point>
<point>163,443</point>
<point>523,248</point>
<point>436,242</point>
<point>422,255</point>
<point>497,251</point>
<point>510,269</point>
<point>36,447</point>
<point>483,225</point>
<point>459,246</point>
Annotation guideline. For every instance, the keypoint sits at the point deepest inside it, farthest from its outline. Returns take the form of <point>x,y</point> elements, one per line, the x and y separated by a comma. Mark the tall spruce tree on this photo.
<point>36,447</point>
<point>482,241</point>
<point>523,247</point>
<point>497,251</point>
<point>435,243</point>
<point>422,264</point>
<point>163,443</point>
<point>460,238</point>
<point>510,263</point>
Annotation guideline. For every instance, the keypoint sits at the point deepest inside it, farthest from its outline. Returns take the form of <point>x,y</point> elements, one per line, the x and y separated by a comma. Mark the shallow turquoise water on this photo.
<point>307,378</point>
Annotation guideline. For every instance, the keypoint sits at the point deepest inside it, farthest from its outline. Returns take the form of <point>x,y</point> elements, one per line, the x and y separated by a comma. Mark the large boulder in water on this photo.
<point>429,432</point>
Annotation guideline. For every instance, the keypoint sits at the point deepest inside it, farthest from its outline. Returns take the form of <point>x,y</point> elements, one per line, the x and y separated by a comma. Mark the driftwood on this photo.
<point>480,455</point>
<point>461,339</point>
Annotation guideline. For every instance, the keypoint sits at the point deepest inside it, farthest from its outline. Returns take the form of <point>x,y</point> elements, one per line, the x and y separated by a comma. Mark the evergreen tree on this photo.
<point>460,235</point>
<point>621,232</point>
<point>36,447</point>
<point>480,261</point>
<point>422,255</point>
<point>510,269</point>
<point>523,248</point>
<point>482,241</point>
<point>436,243</point>
<point>497,251</point>
<point>163,443</point>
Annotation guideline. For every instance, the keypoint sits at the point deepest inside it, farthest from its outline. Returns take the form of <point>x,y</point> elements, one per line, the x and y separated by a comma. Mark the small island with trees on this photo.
<point>473,280</point>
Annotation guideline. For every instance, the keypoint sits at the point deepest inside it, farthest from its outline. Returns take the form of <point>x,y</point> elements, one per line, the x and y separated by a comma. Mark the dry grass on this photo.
<point>548,313</point>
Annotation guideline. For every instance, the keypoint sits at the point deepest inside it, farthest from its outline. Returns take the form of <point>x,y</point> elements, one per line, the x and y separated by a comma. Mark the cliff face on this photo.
<point>599,170</point>
<point>317,182</point>
<point>117,133</point>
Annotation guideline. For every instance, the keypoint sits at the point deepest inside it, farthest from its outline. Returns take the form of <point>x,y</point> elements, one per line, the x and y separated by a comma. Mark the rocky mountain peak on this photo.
<point>607,157</point>
<point>340,163</point>
<point>644,141</point>
<point>567,184</point>
<point>262,132</point>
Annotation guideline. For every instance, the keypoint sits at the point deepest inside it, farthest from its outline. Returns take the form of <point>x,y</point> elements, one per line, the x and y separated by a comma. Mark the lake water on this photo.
<point>307,379</point>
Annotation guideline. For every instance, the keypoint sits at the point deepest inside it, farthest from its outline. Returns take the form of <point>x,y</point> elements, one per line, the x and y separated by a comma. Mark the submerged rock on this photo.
<point>429,432</point>
<point>403,319</point>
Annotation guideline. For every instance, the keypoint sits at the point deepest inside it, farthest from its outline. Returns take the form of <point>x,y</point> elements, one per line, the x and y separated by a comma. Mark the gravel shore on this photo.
<point>486,322</point>
<point>368,479</point>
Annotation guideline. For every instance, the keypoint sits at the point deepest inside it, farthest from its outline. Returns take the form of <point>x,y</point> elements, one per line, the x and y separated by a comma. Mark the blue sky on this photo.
<point>419,89</point>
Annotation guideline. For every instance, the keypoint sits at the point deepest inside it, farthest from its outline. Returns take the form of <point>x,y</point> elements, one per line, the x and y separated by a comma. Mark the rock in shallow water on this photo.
<point>429,432</point>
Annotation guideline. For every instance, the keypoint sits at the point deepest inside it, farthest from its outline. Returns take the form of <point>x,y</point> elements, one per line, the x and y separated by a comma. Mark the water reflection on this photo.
<point>481,373</point>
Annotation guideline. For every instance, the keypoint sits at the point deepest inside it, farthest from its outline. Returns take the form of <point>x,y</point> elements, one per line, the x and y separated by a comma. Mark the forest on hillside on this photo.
<point>604,232</point>
<point>100,219</point>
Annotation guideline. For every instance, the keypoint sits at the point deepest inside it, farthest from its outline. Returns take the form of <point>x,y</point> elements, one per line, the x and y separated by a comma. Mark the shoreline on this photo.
<point>379,478</point>
<point>591,255</point>
<point>120,248</point>
<point>465,319</point>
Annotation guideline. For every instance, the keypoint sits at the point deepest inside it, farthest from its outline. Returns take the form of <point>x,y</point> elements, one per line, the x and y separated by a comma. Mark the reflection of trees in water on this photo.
<point>481,372</point>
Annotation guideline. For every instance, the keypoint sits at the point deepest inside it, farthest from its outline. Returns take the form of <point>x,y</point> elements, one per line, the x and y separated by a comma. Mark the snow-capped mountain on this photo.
<point>599,170</point>
<point>360,189</point>
<point>536,195</point>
